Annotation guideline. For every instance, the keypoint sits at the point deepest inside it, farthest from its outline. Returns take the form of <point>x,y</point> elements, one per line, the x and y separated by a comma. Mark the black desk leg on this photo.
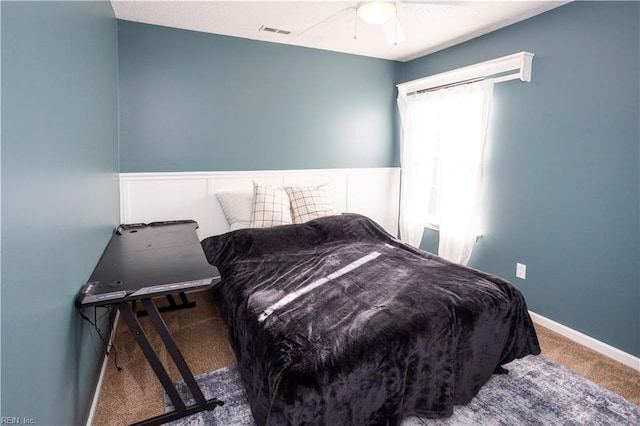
<point>181,409</point>
<point>171,346</point>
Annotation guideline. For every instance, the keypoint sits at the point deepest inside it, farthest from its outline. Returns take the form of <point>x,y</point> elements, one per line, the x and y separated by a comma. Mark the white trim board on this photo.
<point>591,343</point>
<point>152,197</point>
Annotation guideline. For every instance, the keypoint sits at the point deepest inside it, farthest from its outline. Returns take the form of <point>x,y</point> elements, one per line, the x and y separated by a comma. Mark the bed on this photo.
<point>336,322</point>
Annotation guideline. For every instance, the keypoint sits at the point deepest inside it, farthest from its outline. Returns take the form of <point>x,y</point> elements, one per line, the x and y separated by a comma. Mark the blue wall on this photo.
<point>562,179</point>
<point>59,199</point>
<point>192,101</point>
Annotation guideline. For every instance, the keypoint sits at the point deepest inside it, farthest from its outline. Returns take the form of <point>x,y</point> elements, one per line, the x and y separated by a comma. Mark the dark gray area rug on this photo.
<point>535,392</point>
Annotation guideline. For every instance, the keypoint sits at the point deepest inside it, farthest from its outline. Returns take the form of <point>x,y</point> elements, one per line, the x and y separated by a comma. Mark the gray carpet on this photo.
<point>535,392</point>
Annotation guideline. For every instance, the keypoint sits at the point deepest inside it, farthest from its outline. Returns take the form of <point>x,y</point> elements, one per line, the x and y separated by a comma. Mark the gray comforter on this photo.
<point>336,322</point>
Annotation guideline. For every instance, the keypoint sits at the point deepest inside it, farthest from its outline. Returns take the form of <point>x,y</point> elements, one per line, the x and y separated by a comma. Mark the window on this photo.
<point>446,130</point>
<point>442,147</point>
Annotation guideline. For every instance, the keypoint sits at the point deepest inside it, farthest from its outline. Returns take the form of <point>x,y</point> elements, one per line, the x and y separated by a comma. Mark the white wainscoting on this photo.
<point>152,197</point>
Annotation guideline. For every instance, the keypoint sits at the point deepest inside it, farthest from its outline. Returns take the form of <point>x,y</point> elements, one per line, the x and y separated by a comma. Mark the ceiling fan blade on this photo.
<point>393,31</point>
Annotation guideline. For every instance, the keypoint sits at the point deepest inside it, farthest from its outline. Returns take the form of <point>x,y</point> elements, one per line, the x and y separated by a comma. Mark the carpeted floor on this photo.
<point>134,393</point>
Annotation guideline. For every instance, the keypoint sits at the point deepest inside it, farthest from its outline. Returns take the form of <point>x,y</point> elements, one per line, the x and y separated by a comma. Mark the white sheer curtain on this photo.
<point>415,179</point>
<point>452,124</point>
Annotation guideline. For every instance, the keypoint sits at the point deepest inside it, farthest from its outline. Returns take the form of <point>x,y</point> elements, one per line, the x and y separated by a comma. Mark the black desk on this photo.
<point>142,262</point>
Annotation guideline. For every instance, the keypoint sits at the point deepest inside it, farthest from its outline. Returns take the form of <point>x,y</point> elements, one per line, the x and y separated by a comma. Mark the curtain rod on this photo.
<point>446,86</point>
<point>522,62</point>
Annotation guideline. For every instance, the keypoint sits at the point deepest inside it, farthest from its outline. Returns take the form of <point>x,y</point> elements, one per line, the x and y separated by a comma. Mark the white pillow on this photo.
<point>270,207</point>
<point>237,207</point>
<point>309,202</point>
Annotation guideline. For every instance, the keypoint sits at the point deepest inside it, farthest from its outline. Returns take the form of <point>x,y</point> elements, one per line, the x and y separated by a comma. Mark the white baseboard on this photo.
<point>103,370</point>
<point>598,346</point>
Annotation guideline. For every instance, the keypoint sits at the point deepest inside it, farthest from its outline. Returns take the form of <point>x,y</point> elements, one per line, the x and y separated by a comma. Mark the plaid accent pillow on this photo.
<point>270,207</point>
<point>309,202</point>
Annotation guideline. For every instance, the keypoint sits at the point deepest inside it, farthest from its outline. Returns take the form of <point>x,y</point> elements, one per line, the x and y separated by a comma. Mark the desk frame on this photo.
<point>180,408</point>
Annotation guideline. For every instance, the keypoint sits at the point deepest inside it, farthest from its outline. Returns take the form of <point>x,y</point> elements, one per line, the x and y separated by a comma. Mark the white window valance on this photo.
<point>511,67</point>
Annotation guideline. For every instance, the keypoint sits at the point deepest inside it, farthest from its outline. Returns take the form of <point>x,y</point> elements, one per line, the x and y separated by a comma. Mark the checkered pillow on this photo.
<point>270,207</point>
<point>309,202</point>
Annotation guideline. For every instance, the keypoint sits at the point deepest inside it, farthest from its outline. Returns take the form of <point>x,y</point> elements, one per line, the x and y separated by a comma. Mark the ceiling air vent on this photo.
<point>274,30</point>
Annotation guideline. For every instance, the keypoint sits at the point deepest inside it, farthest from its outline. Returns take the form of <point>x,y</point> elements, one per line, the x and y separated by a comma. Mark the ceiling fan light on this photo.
<point>376,12</point>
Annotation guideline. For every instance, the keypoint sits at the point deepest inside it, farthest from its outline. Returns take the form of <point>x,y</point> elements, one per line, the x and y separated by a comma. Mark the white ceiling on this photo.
<point>429,26</point>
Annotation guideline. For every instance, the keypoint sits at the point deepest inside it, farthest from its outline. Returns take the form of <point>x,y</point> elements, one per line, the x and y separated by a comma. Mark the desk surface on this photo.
<point>148,260</point>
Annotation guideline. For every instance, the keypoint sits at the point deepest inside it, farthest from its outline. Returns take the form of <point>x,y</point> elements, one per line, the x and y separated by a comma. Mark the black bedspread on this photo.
<point>335,322</point>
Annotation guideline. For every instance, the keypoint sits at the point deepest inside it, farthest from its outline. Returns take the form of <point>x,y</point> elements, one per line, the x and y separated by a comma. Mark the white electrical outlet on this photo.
<point>521,270</point>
